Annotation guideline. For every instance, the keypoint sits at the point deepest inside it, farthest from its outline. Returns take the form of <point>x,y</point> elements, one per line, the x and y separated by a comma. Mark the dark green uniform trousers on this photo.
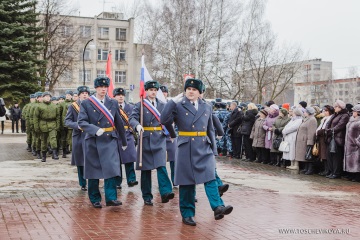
<point>46,138</point>
<point>218,180</point>
<point>187,198</point>
<point>109,188</point>
<point>82,181</point>
<point>163,183</point>
<point>130,173</point>
<point>172,168</point>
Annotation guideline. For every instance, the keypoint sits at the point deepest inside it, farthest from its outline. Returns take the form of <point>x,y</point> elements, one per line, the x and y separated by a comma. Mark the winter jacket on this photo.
<point>258,133</point>
<point>352,146</point>
<point>337,123</point>
<point>235,121</point>
<point>279,124</point>
<point>305,137</point>
<point>248,121</point>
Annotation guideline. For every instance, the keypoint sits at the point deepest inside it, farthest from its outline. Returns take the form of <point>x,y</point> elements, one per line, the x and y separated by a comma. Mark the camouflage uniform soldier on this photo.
<point>59,105</point>
<point>25,115</point>
<point>47,121</point>
<point>227,143</point>
<point>36,142</point>
<point>66,136</point>
<point>222,114</point>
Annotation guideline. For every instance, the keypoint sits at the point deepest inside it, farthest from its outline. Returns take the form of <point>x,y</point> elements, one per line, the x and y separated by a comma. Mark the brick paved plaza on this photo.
<point>43,201</point>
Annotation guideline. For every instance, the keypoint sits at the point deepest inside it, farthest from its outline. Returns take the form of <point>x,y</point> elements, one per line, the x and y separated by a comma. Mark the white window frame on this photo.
<point>120,76</point>
<point>100,73</point>
<point>85,31</point>
<point>102,55</point>
<point>103,32</point>
<point>121,34</point>
<point>120,55</point>
<point>87,75</point>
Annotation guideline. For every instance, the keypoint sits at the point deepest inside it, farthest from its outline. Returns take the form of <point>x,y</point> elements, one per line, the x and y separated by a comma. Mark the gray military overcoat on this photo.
<point>195,160</point>
<point>77,154</point>
<point>102,159</point>
<point>154,142</point>
<point>129,155</point>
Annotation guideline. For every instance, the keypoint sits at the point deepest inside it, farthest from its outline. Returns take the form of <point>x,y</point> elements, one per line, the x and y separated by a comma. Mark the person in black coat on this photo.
<point>246,127</point>
<point>235,121</point>
<point>15,117</point>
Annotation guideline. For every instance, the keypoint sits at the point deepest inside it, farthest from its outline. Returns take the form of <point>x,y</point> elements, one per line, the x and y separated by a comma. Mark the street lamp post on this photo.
<point>84,77</point>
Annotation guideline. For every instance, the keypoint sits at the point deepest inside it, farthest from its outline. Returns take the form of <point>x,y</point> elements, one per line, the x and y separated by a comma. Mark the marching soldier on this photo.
<point>101,122</point>
<point>154,145</point>
<point>128,157</point>
<point>36,141</point>
<point>66,132</point>
<point>75,96</point>
<point>26,115</point>
<point>78,137</point>
<point>195,160</point>
<point>170,144</point>
<point>47,122</point>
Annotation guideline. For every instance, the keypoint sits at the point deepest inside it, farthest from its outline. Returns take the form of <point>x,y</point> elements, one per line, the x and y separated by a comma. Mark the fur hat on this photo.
<point>339,103</point>
<point>349,107</point>
<point>303,104</point>
<point>195,83</point>
<point>32,96</point>
<point>119,91</point>
<point>82,89</point>
<point>152,84</point>
<point>53,99</point>
<point>101,82</point>
<point>310,110</point>
<point>62,97</point>
<point>356,108</point>
<point>164,88</point>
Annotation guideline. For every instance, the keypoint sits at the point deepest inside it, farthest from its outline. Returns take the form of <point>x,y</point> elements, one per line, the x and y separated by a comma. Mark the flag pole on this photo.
<point>141,122</point>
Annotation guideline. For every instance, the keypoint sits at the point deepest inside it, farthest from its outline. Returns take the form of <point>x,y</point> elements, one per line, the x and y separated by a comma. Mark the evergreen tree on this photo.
<point>20,46</point>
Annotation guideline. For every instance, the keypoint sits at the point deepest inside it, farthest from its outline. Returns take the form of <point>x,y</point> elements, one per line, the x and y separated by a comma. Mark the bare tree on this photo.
<point>60,39</point>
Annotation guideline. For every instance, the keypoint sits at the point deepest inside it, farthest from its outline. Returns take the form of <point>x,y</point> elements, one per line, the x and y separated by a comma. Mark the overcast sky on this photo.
<point>326,29</point>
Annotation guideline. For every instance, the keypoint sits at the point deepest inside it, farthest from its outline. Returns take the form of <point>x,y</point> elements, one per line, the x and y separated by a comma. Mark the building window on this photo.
<point>87,55</point>
<point>103,33</point>
<point>101,73</point>
<point>120,55</point>
<point>87,75</point>
<point>120,77</point>
<point>316,66</point>
<point>340,93</point>
<point>85,31</point>
<point>121,34</point>
<point>340,85</point>
<point>102,54</point>
<point>67,31</point>
<point>66,76</point>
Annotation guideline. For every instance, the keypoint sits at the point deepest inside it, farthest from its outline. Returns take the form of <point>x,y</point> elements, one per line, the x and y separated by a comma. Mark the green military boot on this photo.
<point>43,159</point>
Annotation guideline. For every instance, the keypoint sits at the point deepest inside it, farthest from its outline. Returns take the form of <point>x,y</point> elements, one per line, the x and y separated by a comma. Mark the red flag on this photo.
<point>108,74</point>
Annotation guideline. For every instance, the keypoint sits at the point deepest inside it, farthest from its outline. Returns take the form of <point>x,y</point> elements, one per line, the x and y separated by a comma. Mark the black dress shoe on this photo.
<point>148,202</point>
<point>195,199</point>
<point>329,175</point>
<point>83,188</point>
<point>133,183</point>
<point>113,203</point>
<point>220,211</point>
<point>223,189</point>
<point>189,221</point>
<point>334,176</point>
<point>97,205</point>
<point>118,187</point>
<point>166,197</point>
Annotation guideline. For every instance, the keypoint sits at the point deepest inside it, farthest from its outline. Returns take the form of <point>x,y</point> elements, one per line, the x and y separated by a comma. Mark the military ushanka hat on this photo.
<point>101,82</point>
<point>164,88</point>
<point>32,95</point>
<point>62,96</point>
<point>82,89</point>
<point>119,91</point>
<point>46,93</point>
<point>195,83</point>
<point>152,84</point>
<point>38,94</point>
<point>54,99</point>
<point>75,93</point>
